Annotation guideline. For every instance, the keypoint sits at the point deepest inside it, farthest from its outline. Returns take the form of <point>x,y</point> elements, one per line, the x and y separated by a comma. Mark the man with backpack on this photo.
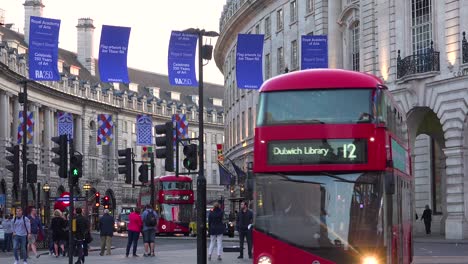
<point>21,232</point>
<point>36,231</point>
<point>150,221</point>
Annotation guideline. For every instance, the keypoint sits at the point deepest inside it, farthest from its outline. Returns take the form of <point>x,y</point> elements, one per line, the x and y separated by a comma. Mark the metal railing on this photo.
<point>418,63</point>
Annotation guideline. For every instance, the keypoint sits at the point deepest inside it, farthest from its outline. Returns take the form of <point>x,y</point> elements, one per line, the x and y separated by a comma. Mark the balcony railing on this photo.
<point>418,63</point>
<point>464,49</point>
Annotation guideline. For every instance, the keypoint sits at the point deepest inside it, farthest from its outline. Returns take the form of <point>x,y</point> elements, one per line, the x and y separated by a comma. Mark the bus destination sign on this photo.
<point>317,151</point>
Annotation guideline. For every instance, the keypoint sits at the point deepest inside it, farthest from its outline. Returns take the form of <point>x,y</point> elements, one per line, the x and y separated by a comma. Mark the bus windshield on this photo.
<point>333,211</point>
<point>167,186</point>
<point>176,212</point>
<point>325,106</point>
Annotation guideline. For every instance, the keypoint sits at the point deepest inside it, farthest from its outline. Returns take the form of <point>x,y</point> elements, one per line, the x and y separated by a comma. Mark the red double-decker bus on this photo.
<point>332,171</point>
<point>173,202</point>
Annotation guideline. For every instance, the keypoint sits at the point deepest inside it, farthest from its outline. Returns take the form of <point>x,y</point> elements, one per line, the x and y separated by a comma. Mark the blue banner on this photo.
<point>113,50</point>
<point>249,70</point>
<point>314,52</point>
<point>181,59</point>
<point>43,49</point>
<point>144,130</point>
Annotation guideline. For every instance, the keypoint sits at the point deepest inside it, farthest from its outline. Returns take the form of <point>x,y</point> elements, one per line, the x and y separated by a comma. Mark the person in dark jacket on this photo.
<point>243,224</point>
<point>82,228</point>
<point>58,225</point>
<point>427,217</point>
<point>106,225</point>
<point>216,229</point>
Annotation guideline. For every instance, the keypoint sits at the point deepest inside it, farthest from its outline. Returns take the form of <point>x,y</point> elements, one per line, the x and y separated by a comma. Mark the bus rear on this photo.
<point>174,203</point>
<point>324,178</point>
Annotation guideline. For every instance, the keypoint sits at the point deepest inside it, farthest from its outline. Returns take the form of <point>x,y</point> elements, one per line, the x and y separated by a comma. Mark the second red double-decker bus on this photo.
<point>173,202</point>
<point>332,171</point>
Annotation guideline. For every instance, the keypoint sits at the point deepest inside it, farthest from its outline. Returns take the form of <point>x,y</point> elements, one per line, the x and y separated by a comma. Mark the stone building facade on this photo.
<point>417,47</point>
<point>81,93</point>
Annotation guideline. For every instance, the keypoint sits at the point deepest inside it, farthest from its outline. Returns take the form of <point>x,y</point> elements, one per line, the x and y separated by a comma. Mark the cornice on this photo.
<point>234,25</point>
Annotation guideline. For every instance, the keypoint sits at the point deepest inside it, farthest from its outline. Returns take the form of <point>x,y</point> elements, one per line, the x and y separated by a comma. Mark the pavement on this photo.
<point>180,256</point>
<point>428,250</point>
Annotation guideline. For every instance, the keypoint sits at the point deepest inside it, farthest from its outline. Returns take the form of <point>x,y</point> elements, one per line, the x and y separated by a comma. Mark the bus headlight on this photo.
<point>264,260</point>
<point>369,260</point>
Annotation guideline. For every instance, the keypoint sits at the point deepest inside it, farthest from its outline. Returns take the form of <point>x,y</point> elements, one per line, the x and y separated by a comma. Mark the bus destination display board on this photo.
<point>317,151</point>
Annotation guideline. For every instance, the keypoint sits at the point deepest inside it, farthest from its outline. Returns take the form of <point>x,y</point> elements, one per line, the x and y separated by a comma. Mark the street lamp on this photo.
<point>204,52</point>
<point>86,187</point>
<point>46,189</point>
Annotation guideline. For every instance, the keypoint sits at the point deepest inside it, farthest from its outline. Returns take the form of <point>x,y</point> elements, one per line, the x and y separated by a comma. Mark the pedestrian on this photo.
<point>134,228</point>
<point>150,221</point>
<point>427,217</point>
<point>36,230</point>
<point>58,226</point>
<point>21,232</point>
<point>82,228</point>
<point>8,229</point>
<point>216,229</point>
<point>106,225</point>
<point>243,224</point>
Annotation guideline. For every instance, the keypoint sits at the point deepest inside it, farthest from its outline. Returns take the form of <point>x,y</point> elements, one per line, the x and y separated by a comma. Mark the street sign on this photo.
<point>66,199</point>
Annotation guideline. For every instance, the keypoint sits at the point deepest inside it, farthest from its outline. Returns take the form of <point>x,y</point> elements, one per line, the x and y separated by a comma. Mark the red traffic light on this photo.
<point>97,194</point>
<point>106,198</point>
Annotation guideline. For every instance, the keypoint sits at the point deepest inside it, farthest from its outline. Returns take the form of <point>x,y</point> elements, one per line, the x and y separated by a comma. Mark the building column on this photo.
<point>36,149</point>
<point>14,127</point>
<point>48,128</point>
<point>455,223</point>
<point>4,107</point>
<point>78,134</point>
<point>335,36</point>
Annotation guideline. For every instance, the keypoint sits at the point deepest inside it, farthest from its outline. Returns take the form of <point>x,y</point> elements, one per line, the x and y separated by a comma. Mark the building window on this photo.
<point>243,125</point>
<point>355,46</point>
<point>267,66</point>
<point>267,26</point>
<point>279,20</point>
<point>280,62</point>
<point>294,54</point>
<point>421,25</point>
<point>250,124</point>
<point>293,11</point>
<point>310,6</point>
<point>257,29</point>
<point>238,130</point>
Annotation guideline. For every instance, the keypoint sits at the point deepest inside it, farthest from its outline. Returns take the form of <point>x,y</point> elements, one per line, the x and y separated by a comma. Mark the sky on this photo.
<point>151,23</point>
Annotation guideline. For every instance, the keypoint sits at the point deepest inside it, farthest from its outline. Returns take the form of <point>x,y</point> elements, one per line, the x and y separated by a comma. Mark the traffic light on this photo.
<point>191,157</point>
<point>97,200</point>
<point>166,141</point>
<point>62,153</point>
<point>127,164</point>
<point>143,173</point>
<point>14,159</point>
<point>105,202</point>
<point>76,167</point>
<point>31,173</point>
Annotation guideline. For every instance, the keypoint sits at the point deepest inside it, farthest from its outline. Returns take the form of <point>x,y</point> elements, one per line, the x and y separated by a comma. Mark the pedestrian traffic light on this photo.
<point>191,157</point>
<point>143,169</point>
<point>167,142</point>
<point>31,173</point>
<point>105,202</point>
<point>14,159</point>
<point>62,153</point>
<point>126,161</point>
<point>76,167</point>
<point>97,200</point>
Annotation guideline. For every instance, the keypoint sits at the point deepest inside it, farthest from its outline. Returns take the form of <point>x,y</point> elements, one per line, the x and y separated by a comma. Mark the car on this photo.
<point>121,223</point>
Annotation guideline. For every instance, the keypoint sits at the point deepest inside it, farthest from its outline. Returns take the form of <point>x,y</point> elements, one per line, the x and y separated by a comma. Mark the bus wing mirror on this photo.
<point>389,183</point>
